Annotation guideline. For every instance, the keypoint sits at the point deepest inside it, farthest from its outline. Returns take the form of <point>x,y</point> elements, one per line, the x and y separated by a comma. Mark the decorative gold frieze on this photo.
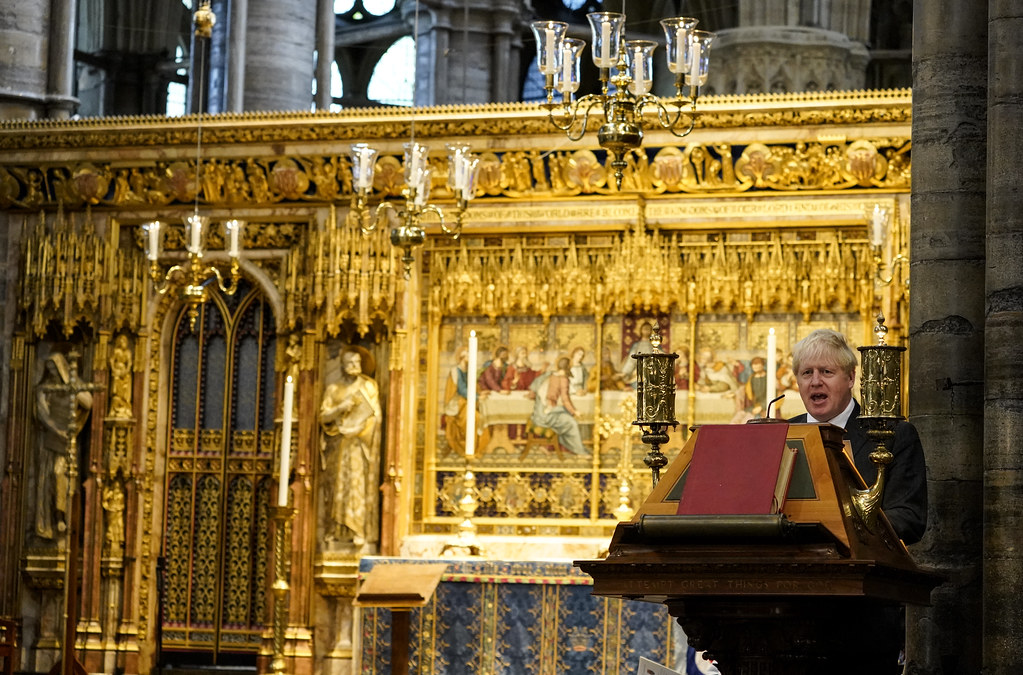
<point>709,168</point>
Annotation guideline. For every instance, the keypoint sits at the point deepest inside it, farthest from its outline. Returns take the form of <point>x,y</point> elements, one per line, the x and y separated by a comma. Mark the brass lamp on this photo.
<point>557,58</point>
<point>655,401</point>
<point>407,231</point>
<point>191,276</point>
<point>881,410</point>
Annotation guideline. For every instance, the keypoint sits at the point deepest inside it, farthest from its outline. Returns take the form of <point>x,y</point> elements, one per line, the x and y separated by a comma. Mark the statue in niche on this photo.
<point>120,378</point>
<point>293,355</point>
<point>350,418</point>
<point>61,413</point>
<point>113,505</point>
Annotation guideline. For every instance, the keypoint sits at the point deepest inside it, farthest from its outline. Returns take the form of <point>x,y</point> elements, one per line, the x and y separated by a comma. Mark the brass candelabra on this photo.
<point>881,411</point>
<point>191,276</point>
<point>655,401</point>
<point>407,230</point>
<point>623,108</point>
<point>880,229</point>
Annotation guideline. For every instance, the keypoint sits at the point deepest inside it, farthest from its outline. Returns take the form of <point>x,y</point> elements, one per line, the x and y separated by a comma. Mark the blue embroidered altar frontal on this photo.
<point>518,618</point>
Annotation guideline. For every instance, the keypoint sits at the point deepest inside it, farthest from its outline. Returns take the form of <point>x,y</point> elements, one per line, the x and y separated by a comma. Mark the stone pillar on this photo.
<point>236,56</point>
<point>947,322</point>
<point>60,101</point>
<point>1003,348</point>
<point>324,52</point>
<point>467,51</point>
<point>279,61</point>
<point>23,58</point>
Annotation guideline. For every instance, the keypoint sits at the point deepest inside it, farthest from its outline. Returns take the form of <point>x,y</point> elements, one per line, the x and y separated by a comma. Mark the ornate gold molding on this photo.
<point>717,169</point>
<point>494,120</point>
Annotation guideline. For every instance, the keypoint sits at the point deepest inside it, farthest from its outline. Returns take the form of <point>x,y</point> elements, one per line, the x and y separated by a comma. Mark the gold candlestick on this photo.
<point>466,543</point>
<point>655,401</point>
<point>881,410</point>
<point>281,516</point>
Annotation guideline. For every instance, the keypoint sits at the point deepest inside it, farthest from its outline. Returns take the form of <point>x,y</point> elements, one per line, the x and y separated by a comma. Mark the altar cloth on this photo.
<point>518,618</point>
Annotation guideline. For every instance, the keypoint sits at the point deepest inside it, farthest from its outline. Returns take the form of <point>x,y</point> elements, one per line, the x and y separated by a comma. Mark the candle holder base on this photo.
<point>465,544</point>
<point>281,516</point>
<point>655,435</point>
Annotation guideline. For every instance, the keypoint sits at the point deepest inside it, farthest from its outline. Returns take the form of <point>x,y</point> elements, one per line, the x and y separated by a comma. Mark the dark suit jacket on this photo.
<point>905,492</point>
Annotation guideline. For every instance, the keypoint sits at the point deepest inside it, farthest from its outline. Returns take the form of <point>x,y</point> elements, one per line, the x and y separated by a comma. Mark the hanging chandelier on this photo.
<point>191,276</point>
<point>406,221</point>
<point>628,66</point>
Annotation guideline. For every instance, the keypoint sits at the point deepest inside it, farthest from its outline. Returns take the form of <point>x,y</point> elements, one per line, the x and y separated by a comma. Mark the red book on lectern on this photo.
<point>738,469</point>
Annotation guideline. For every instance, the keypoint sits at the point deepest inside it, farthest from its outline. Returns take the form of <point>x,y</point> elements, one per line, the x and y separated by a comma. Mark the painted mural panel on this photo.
<point>555,403</point>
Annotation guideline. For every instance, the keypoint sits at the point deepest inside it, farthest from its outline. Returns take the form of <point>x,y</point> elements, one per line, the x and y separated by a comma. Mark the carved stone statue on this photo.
<point>350,418</point>
<point>120,378</point>
<point>58,409</point>
<point>113,505</point>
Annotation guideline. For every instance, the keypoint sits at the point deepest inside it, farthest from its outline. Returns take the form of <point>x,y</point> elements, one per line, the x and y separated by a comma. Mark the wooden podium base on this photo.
<point>794,636</point>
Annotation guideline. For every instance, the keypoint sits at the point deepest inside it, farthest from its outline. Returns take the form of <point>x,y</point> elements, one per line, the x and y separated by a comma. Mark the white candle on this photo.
<point>605,43</point>
<point>422,185</point>
<point>694,66</point>
<point>282,484</point>
<point>566,70</point>
<point>418,152</point>
<point>549,50</point>
<point>680,52</point>
<point>460,169</point>
<point>365,168</point>
<point>154,240</point>
<point>195,232</point>
<point>637,56</point>
<point>470,397</point>
<point>877,229</point>
<point>469,188</point>
<point>772,366</point>
<point>234,227</point>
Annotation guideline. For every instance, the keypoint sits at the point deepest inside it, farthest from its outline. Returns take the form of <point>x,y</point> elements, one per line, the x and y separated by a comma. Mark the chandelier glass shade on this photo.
<point>626,76</point>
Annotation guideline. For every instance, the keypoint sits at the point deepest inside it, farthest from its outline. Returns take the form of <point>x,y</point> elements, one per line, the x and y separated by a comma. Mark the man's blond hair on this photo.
<point>824,343</point>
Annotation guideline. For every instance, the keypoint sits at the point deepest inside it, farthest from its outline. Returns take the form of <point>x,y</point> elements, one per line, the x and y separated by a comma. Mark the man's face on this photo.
<point>352,363</point>
<point>825,388</point>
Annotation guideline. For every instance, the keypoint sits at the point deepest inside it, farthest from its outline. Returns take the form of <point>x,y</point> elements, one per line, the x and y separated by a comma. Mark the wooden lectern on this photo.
<point>813,589</point>
<point>400,587</point>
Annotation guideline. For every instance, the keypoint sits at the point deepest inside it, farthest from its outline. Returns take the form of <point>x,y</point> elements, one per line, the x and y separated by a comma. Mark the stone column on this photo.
<point>279,61</point>
<point>324,52</point>
<point>467,51</point>
<point>1003,347</point>
<point>236,56</point>
<point>60,101</point>
<point>23,58</point>
<point>947,322</point>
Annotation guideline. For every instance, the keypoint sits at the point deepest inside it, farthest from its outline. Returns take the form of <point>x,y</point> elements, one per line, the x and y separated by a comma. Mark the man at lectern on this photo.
<point>825,368</point>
